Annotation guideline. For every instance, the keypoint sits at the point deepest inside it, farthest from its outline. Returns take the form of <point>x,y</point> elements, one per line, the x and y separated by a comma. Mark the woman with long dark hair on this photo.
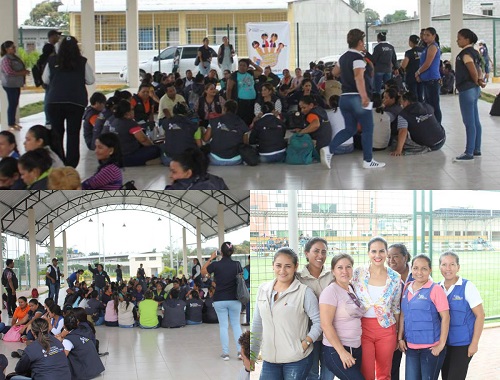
<point>39,137</point>
<point>13,75</point>
<point>8,145</point>
<point>67,73</point>
<point>428,73</point>
<point>109,173</point>
<point>225,302</point>
<point>410,65</point>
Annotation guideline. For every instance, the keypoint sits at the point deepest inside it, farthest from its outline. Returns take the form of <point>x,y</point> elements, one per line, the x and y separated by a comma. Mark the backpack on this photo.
<point>249,154</point>
<point>36,72</point>
<point>34,293</point>
<point>495,107</point>
<point>300,150</point>
<point>130,185</point>
<point>4,279</point>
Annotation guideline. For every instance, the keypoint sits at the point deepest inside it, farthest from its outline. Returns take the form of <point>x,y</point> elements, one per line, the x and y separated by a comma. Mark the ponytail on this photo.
<point>40,329</point>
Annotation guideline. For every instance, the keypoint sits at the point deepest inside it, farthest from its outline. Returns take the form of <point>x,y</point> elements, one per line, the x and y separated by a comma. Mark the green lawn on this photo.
<point>480,267</point>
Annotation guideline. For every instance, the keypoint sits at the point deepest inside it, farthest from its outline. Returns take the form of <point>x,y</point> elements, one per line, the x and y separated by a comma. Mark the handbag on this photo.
<point>13,335</point>
<point>242,292</point>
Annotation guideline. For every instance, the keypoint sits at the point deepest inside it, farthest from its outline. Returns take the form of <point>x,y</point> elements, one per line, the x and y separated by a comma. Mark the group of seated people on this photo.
<point>148,303</point>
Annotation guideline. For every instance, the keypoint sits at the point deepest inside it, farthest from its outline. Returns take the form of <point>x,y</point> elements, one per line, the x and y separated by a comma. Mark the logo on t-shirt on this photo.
<point>456,297</point>
<point>421,297</point>
<point>173,126</point>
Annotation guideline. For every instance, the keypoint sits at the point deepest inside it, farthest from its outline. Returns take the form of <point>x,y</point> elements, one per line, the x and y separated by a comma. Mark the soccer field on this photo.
<point>480,267</point>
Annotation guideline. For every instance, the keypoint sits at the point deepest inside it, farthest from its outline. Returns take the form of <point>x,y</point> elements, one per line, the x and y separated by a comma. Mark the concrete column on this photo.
<point>52,241</point>
<point>184,252</point>
<point>132,25</point>
<point>293,217</point>
<point>88,36</point>
<point>182,28</point>
<point>424,12</point>
<point>198,240</point>
<point>456,23</point>
<point>8,32</point>
<point>220,223</point>
<point>65,255</point>
<point>33,257</point>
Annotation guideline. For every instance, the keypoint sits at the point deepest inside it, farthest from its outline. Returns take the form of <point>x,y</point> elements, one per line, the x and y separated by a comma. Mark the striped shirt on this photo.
<point>108,177</point>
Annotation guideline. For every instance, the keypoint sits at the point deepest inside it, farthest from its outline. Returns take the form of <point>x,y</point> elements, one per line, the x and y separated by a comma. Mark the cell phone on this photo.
<point>218,253</point>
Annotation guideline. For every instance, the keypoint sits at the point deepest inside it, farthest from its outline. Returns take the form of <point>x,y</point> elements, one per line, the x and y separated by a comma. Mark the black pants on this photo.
<point>11,301</point>
<point>72,114</point>
<point>396,363</point>
<point>246,110</point>
<point>456,363</point>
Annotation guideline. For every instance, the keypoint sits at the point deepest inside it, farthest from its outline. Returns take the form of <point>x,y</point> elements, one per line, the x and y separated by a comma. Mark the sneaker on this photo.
<point>477,153</point>
<point>225,357</point>
<point>373,164</point>
<point>464,157</point>
<point>239,356</point>
<point>325,156</point>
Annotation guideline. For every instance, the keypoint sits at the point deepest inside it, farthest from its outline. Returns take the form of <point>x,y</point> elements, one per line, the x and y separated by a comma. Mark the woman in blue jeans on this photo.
<point>281,329</point>
<point>424,323</point>
<point>428,73</point>
<point>225,302</point>
<point>13,74</point>
<point>354,101</point>
<point>469,80</point>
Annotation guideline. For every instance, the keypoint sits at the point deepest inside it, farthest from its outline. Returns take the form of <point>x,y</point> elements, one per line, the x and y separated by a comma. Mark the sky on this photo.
<point>383,7</point>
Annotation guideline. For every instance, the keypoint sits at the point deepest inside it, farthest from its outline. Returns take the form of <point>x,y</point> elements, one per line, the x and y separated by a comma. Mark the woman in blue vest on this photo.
<point>424,323</point>
<point>466,318</point>
<point>428,73</point>
<point>469,80</point>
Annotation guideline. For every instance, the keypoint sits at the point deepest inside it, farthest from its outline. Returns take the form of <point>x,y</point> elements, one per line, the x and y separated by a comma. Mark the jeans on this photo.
<point>422,365</point>
<point>271,158</point>
<point>2,326</point>
<point>141,156</point>
<point>13,94</point>
<point>71,114</point>
<point>11,301</point>
<point>344,149</point>
<point>379,80</point>
<point>100,321</point>
<point>188,322</point>
<point>218,161</point>
<point>432,90</point>
<point>127,326</point>
<point>416,88</point>
<point>149,327</point>
<point>317,371</point>
<point>204,68</point>
<point>54,290</point>
<point>333,362</point>
<point>19,377</point>
<point>70,283</point>
<point>286,371</point>
<point>354,113</point>
<point>470,116</point>
<point>231,309</point>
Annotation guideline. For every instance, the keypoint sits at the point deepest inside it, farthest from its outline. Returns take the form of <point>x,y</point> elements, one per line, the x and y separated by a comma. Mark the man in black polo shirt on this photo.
<point>53,280</point>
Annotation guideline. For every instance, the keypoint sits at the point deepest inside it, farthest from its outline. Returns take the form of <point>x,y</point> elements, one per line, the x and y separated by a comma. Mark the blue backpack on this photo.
<point>300,150</point>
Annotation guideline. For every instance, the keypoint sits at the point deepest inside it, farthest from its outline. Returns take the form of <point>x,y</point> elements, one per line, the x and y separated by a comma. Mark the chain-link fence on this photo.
<point>430,222</point>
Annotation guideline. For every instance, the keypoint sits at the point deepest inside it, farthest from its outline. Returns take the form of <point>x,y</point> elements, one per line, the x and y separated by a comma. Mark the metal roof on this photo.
<point>65,208</point>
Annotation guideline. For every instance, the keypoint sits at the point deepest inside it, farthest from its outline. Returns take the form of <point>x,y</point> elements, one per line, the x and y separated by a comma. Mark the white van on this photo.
<point>176,59</point>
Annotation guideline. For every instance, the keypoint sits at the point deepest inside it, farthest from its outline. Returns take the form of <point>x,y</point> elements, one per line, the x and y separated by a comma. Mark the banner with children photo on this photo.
<point>269,44</point>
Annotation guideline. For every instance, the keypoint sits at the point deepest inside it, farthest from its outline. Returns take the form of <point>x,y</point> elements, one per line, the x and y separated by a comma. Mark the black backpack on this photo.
<point>37,70</point>
<point>249,154</point>
<point>495,107</point>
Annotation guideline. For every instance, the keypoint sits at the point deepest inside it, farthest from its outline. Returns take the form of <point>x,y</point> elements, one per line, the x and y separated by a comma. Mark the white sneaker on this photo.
<point>225,357</point>
<point>325,156</point>
<point>373,164</point>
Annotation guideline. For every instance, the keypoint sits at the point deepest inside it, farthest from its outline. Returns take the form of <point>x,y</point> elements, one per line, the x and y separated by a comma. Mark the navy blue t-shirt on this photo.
<point>349,60</point>
<point>225,272</point>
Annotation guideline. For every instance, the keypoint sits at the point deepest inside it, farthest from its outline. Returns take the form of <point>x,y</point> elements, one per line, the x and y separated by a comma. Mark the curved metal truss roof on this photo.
<point>65,208</point>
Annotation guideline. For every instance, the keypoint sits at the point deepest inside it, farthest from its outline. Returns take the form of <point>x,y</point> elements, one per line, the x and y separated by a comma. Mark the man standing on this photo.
<point>385,61</point>
<point>141,273</point>
<point>246,277</point>
<point>225,55</point>
<point>53,280</point>
<point>9,280</point>
<point>48,49</point>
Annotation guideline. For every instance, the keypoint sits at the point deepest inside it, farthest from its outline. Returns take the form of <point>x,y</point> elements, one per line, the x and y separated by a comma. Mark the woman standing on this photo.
<point>354,101</point>
<point>225,302</point>
<point>424,323</point>
<point>469,80</point>
<point>428,72</point>
<point>340,312</point>
<point>466,318</point>
<point>411,64</point>
<point>67,73</point>
<point>282,314</point>
<point>196,272</point>
<point>379,290</point>
<point>13,75</point>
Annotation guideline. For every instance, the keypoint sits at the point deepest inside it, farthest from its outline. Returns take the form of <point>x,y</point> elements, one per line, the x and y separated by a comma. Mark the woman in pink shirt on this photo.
<point>424,323</point>
<point>340,313</point>
<point>111,314</point>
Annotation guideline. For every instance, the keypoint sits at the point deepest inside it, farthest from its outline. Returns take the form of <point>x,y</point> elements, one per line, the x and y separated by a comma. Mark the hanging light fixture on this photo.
<point>124,225</point>
<point>90,220</point>
<point>159,219</point>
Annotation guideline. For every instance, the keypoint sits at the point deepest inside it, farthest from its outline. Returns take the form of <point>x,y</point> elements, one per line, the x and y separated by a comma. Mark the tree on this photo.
<point>396,16</point>
<point>371,16</point>
<point>46,14</point>
<point>357,5</point>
